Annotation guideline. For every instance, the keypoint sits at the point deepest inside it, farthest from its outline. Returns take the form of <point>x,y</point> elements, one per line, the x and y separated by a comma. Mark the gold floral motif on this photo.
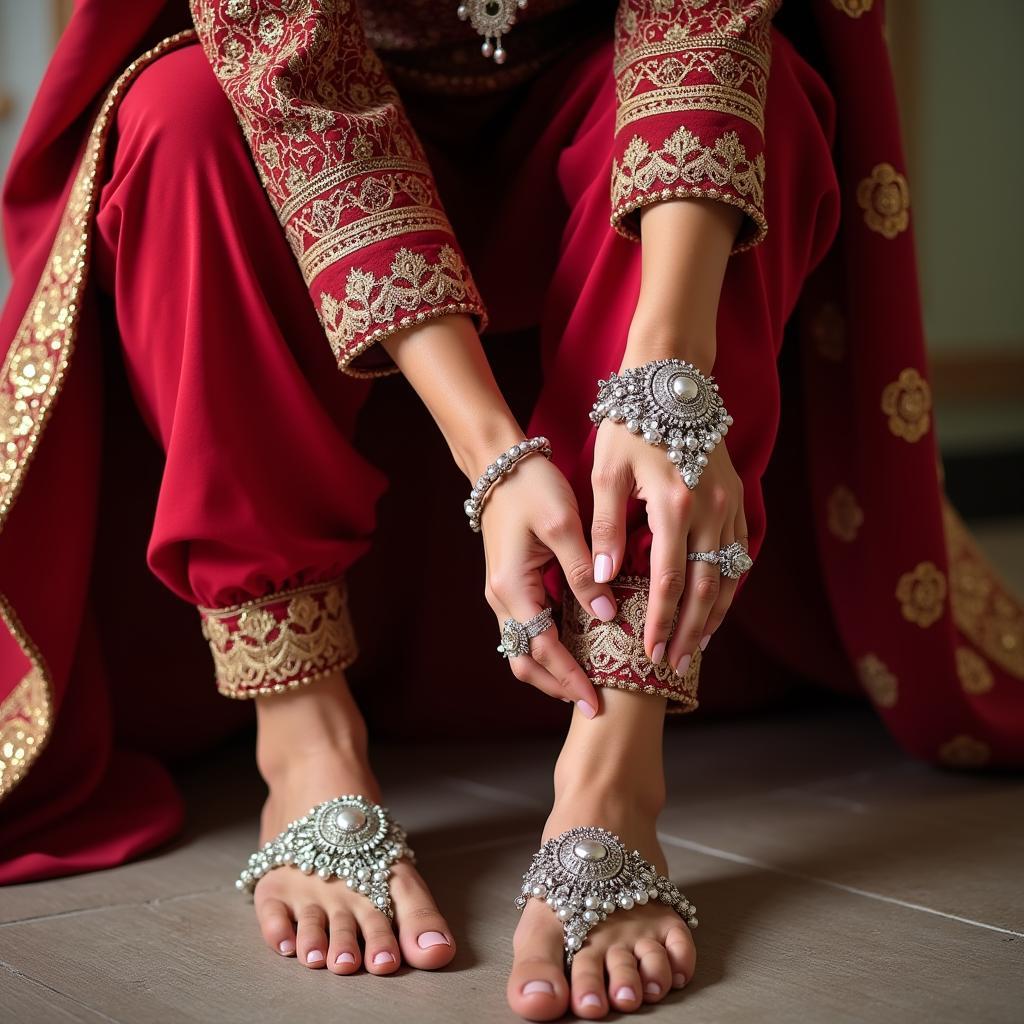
<point>975,676</point>
<point>845,516</point>
<point>907,401</point>
<point>885,199</point>
<point>828,332</point>
<point>881,685</point>
<point>965,752</point>
<point>983,607</point>
<point>922,594</point>
<point>276,643</point>
<point>612,653</point>
<point>685,167</point>
<point>854,8</point>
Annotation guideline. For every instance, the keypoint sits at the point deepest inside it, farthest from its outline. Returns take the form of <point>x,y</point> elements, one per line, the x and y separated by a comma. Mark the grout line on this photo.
<point>12,970</point>
<point>151,904</point>
<point>736,858</point>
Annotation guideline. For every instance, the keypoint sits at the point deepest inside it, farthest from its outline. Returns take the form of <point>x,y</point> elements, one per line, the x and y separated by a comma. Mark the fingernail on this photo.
<point>652,988</point>
<point>587,710</point>
<point>384,958</point>
<point>679,980</point>
<point>532,987</point>
<point>626,994</point>
<point>602,569</point>
<point>345,958</point>
<point>684,664</point>
<point>658,653</point>
<point>314,956</point>
<point>428,939</point>
<point>603,608</point>
<point>590,1000</point>
<point>704,641</point>
<point>287,947</point>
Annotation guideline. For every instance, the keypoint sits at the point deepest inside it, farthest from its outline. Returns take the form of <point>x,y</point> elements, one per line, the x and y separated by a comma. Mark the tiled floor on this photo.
<point>837,882</point>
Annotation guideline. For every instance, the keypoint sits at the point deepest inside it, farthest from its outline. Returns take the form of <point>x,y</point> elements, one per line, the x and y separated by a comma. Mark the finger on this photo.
<point>703,583</point>
<point>548,652</point>
<point>668,521</point>
<point>612,487</point>
<point>726,593</point>
<point>569,546</point>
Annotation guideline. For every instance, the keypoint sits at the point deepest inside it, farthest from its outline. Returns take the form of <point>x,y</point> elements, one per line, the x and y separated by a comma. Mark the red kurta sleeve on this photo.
<point>691,78</point>
<point>342,167</point>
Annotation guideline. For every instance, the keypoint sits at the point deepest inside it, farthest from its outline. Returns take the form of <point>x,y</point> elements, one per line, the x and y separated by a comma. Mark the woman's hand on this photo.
<point>528,517</point>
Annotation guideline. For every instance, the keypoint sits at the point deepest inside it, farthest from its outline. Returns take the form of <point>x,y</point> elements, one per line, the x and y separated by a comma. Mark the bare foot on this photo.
<point>311,748</point>
<point>609,774</point>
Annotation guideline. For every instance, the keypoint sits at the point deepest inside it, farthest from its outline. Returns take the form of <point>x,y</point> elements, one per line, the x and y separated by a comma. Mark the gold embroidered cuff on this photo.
<point>280,642</point>
<point>612,653</point>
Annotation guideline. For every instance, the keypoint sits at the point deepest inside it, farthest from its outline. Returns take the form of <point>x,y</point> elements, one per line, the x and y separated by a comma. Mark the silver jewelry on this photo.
<point>348,837</point>
<point>586,874</point>
<point>732,560</point>
<point>516,636</point>
<point>492,19</point>
<point>671,403</point>
<point>500,467</point>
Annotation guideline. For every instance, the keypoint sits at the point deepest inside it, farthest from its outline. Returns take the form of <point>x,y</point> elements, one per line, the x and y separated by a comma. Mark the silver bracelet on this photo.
<point>671,403</point>
<point>500,467</point>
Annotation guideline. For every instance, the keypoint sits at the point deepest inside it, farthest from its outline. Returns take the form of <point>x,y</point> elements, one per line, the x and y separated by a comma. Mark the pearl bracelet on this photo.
<point>500,467</point>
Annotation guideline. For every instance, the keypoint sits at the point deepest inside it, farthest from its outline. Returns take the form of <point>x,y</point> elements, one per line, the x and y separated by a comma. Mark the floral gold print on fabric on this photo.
<point>922,594</point>
<point>854,8</point>
<point>884,196</point>
<point>907,401</point>
<point>879,682</point>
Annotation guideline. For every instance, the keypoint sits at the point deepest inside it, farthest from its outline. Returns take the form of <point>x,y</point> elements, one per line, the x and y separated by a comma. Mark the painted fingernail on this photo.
<point>679,980</point>
<point>684,664</point>
<point>602,607</point>
<point>384,958</point>
<point>658,653</point>
<point>533,987</point>
<point>345,958</point>
<point>314,956</point>
<point>704,641</point>
<point>590,1000</point>
<point>429,939</point>
<point>626,994</point>
<point>602,569</point>
<point>587,710</point>
<point>287,947</point>
<point>652,988</point>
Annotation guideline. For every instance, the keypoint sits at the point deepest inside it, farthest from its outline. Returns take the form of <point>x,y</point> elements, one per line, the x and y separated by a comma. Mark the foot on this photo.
<point>311,748</point>
<point>636,956</point>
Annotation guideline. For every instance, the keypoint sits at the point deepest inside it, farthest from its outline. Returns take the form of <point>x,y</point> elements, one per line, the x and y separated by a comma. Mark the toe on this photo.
<point>652,959</point>
<point>381,954</point>
<point>682,955</point>
<point>537,989</point>
<point>343,951</point>
<point>588,988</point>
<point>625,989</point>
<point>423,934</point>
<point>311,940</point>
<point>276,925</point>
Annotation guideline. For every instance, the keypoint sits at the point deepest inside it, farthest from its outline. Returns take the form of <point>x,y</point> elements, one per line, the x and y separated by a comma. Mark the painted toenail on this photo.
<point>626,994</point>
<point>652,988</point>
<point>590,1000</point>
<point>287,947</point>
<point>314,956</point>
<point>679,980</point>
<point>429,939</point>
<point>533,987</point>
<point>384,958</point>
<point>345,958</point>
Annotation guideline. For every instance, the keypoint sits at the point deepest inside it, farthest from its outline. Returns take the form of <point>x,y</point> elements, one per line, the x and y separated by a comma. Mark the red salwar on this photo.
<point>164,269</point>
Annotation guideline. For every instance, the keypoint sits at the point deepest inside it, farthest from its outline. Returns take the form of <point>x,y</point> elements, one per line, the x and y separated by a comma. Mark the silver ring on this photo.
<point>516,636</point>
<point>732,560</point>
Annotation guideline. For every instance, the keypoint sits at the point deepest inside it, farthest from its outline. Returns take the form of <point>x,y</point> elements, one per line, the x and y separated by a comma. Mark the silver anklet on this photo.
<point>501,466</point>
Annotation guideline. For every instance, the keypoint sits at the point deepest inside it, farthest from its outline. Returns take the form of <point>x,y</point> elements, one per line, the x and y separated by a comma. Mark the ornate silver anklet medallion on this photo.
<point>586,874</point>
<point>348,837</point>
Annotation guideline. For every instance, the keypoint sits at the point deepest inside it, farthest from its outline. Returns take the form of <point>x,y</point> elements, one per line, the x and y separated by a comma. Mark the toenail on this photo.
<point>287,947</point>
<point>429,939</point>
<point>652,988</point>
<point>314,956</point>
<point>533,987</point>
<point>345,958</point>
<point>384,958</point>
<point>590,1000</point>
<point>679,980</point>
<point>626,994</point>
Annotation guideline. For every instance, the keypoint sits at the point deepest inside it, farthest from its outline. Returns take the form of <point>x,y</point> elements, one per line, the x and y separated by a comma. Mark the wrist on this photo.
<point>476,447</point>
<point>645,344</point>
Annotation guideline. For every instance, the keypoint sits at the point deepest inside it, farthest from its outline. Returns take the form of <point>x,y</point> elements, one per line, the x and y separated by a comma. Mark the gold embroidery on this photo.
<point>845,516</point>
<point>612,653</point>
<point>828,332</point>
<point>921,594</point>
<point>907,401</point>
<point>686,168</point>
<point>965,752</point>
<point>280,642</point>
<point>881,685</point>
<point>885,199</point>
<point>854,8</point>
<point>983,607</point>
<point>974,674</point>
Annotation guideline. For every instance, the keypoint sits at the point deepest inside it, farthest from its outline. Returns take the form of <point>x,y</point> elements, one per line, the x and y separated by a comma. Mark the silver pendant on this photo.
<point>492,19</point>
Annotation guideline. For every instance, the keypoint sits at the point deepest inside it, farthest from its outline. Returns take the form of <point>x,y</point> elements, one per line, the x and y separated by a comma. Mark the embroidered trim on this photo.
<point>280,642</point>
<point>612,653</point>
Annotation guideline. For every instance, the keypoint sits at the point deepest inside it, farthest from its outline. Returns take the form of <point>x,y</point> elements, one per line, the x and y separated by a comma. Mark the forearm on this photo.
<point>444,362</point>
<point>686,246</point>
